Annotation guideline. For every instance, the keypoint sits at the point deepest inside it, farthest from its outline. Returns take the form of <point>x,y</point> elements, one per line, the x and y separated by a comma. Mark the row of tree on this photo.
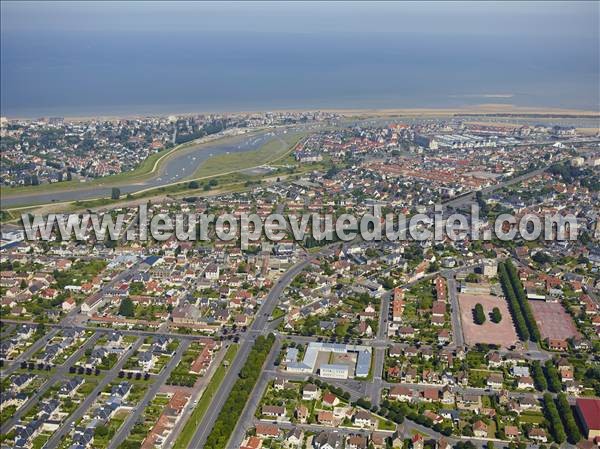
<point>558,431</point>
<point>566,413</point>
<point>538,376</point>
<point>554,383</point>
<point>240,393</point>
<point>513,274</point>
<point>513,303</point>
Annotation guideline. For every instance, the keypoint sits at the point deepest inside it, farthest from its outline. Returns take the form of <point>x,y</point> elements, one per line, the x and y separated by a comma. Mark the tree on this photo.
<point>541,257</point>
<point>558,431</point>
<point>554,383</point>
<point>538,376</point>
<point>522,301</point>
<point>496,315</point>
<point>472,277</point>
<point>126,307</point>
<point>115,193</point>
<point>193,185</point>
<point>40,330</point>
<point>573,434</point>
<point>515,308</point>
<point>479,314</point>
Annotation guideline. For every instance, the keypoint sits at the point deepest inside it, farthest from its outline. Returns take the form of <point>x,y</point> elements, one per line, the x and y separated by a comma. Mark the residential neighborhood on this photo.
<point>313,343</point>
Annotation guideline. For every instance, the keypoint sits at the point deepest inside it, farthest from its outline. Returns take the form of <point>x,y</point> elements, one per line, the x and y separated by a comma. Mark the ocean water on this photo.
<point>75,73</point>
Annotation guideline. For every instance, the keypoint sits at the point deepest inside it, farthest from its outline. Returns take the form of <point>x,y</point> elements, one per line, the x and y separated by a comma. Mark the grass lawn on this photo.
<point>181,374</point>
<point>7,413</point>
<point>39,441</point>
<point>143,171</point>
<point>269,152</point>
<point>211,389</point>
<point>151,414</point>
<point>531,417</point>
<point>384,424</point>
<point>102,441</point>
<point>137,393</point>
<point>478,378</point>
<point>278,313</point>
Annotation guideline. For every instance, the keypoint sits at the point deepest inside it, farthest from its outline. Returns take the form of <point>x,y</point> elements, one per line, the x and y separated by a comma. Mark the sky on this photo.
<point>82,57</point>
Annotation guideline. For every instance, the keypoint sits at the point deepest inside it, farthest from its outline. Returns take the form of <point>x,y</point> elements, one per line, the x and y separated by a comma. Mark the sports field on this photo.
<point>553,321</point>
<point>502,333</point>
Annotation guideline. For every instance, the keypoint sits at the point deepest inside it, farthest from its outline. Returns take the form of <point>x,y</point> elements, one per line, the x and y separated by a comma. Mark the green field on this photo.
<point>152,164</point>
<point>224,168</point>
<point>211,389</point>
<point>270,152</point>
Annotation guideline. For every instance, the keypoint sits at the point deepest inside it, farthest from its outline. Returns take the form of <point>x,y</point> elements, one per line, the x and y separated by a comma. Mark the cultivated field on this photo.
<point>553,321</point>
<point>502,333</point>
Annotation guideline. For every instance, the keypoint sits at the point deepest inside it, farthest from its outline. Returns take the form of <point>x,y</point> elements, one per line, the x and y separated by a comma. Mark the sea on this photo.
<point>165,72</point>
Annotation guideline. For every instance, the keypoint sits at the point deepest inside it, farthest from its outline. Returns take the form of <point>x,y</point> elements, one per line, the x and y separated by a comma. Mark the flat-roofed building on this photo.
<point>589,415</point>
<point>334,371</point>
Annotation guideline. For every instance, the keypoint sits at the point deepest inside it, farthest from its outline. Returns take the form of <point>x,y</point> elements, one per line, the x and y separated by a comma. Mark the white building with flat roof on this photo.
<point>333,371</point>
<point>311,356</point>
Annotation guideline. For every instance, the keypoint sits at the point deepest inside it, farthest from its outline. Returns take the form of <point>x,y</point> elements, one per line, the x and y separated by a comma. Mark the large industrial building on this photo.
<point>331,360</point>
<point>588,410</point>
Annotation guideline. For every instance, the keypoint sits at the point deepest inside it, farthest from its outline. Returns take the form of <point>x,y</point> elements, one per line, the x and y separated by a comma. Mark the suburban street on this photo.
<point>259,389</point>
<point>257,327</point>
<point>58,375</point>
<point>35,347</point>
<point>457,333</point>
<point>66,426</point>
<point>157,382</point>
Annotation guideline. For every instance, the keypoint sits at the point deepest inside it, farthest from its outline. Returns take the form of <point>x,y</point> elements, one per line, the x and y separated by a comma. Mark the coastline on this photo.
<point>490,109</point>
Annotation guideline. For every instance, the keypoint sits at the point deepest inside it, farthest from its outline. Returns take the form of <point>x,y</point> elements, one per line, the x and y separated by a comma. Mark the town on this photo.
<point>309,344</point>
<point>53,150</point>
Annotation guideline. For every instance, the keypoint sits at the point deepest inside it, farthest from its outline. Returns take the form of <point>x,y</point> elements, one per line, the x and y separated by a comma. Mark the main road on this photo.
<point>258,327</point>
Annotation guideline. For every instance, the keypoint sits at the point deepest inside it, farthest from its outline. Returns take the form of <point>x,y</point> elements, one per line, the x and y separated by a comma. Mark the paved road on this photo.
<point>35,347</point>
<point>246,418</point>
<point>137,333</point>
<point>56,439</point>
<point>259,324</point>
<point>457,333</point>
<point>157,382</point>
<point>199,389</point>
<point>374,386</point>
<point>470,197</point>
<point>6,329</point>
<point>59,374</point>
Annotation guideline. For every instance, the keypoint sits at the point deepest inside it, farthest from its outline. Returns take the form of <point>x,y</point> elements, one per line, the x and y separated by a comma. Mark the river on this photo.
<point>178,167</point>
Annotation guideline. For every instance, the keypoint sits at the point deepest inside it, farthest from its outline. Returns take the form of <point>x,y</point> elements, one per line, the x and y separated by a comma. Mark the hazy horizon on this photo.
<point>78,59</point>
